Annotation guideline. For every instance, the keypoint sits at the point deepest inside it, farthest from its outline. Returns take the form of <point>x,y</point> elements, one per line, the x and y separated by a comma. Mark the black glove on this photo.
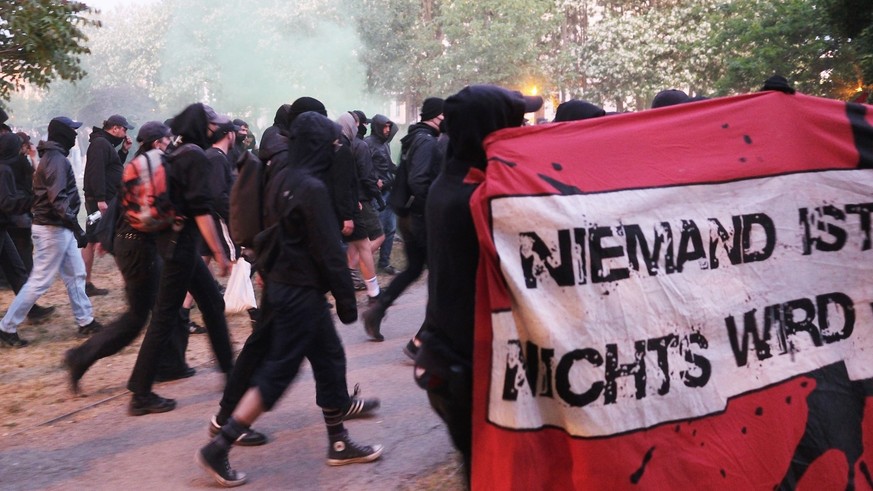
<point>79,234</point>
<point>778,82</point>
<point>347,311</point>
<point>380,203</point>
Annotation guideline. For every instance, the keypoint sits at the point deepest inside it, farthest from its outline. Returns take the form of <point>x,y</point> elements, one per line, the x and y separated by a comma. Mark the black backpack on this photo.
<point>247,200</point>
<point>401,198</point>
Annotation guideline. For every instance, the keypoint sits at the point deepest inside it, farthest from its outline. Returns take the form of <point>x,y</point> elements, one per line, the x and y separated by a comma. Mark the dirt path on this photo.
<point>50,439</point>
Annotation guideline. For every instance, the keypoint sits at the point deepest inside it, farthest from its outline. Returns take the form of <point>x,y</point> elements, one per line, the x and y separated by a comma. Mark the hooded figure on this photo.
<point>192,124</point>
<point>56,197</point>
<point>13,201</point>
<point>380,149</point>
<point>453,253</point>
<point>576,109</point>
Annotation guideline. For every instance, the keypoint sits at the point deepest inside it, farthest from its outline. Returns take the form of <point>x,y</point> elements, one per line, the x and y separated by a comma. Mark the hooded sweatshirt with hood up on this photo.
<point>453,249</point>
<point>297,198</point>
<point>56,197</point>
<point>380,150</point>
<point>13,201</point>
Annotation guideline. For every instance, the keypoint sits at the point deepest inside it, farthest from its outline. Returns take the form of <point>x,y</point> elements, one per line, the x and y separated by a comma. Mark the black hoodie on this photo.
<point>13,201</point>
<point>452,246</point>
<point>297,197</point>
<point>380,150</point>
<point>103,166</point>
<point>56,197</point>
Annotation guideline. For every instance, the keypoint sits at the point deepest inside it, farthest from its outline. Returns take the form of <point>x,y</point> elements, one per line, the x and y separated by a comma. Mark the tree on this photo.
<point>41,40</point>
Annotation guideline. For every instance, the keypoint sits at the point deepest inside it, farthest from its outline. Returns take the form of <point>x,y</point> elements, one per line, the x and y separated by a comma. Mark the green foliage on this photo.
<point>41,40</point>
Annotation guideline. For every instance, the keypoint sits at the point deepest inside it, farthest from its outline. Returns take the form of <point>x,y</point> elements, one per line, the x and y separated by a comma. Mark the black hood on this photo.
<point>281,117</point>
<point>97,132</point>
<point>378,124</point>
<point>272,145</point>
<point>474,113</point>
<point>311,144</point>
<point>303,105</point>
<point>577,109</point>
<point>192,125</point>
<point>10,148</point>
<point>63,135</point>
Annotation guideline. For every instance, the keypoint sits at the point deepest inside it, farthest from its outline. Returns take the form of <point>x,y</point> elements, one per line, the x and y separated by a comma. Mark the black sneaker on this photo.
<point>195,328</point>
<point>373,300</point>
<point>12,339</point>
<point>75,369</point>
<point>38,313</point>
<point>360,407</point>
<point>389,270</point>
<point>217,465</point>
<point>151,403</point>
<point>90,328</point>
<point>93,291</point>
<point>411,349</point>
<point>344,451</point>
<point>251,438</point>
<point>372,323</point>
<point>169,377</point>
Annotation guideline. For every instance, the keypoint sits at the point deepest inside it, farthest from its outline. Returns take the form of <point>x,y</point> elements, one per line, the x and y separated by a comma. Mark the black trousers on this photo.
<point>10,262</point>
<point>295,323</point>
<point>139,264</point>
<point>24,244</point>
<point>412,228</point>
<point>183,271</point>
<point>453,403</point>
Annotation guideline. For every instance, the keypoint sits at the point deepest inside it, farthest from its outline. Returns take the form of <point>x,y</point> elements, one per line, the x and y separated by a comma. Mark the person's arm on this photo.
<point>420,168</point>
<point>13,201</point>
<point>207,229</point>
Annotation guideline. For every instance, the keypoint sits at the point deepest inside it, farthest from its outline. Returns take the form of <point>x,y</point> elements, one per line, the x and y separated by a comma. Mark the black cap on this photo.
<point>117,120</point>
<point>240,123</point>
<point>151,131</point>
<point>362,118</point>
<point>69,122</point>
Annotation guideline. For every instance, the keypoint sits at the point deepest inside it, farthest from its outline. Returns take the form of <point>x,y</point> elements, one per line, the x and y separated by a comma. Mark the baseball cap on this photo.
<point>214,117</point>
<point>69,122</point>
<point>117,120</point>
<point>151,131</point>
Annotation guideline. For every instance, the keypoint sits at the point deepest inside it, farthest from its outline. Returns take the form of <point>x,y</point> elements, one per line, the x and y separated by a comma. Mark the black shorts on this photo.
<point>367,224</point>
<point>90,229</point>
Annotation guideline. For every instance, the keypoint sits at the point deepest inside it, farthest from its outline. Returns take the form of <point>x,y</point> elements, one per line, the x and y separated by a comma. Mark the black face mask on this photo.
<point>62,134</point>
<point>240,138</point>
<point>114,140</point>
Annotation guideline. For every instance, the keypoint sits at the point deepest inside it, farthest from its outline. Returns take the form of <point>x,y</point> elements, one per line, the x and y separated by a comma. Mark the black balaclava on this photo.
<point>575,110</point>
<point>62,134</point>
<point>281,118</point>
<point>192,125</point>
<point>362,123</point>
<point>311,144</point>
<point>474,113</point>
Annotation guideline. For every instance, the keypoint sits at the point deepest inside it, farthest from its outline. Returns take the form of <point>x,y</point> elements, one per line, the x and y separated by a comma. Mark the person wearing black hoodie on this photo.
<point>56,235</point>
<point>103,166</point>
<point>306,262</point>
<point>15,201</point>
<point>379,141</point>
<point>422,156</point>
<point>193,199</point>
<point>453,254</point>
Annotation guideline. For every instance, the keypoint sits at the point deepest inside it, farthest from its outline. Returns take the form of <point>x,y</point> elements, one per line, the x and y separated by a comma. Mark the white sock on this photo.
<point>372,287</point>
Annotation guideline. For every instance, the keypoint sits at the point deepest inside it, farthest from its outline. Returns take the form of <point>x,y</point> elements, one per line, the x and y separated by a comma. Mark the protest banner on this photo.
<point>678,298</point>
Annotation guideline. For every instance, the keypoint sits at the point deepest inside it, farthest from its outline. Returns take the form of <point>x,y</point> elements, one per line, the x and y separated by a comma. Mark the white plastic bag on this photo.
<point>239,296</point>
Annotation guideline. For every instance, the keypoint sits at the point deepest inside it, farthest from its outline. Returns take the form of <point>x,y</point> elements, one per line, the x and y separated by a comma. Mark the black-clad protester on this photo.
<point>453,254</point>
<point>184,270</point>
<point>383,131</point>
<point>21,223</point>
<point>422,156</point>
<point>305,261</point>
<point>14,201</point>
<point>137,258</point>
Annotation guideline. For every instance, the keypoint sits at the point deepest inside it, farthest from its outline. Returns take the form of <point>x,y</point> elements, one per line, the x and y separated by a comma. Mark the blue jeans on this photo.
<point>389,227</point>
<point>56,252</point>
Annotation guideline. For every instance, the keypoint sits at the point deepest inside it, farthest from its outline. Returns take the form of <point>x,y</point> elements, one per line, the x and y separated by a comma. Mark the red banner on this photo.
<point>678,299</point>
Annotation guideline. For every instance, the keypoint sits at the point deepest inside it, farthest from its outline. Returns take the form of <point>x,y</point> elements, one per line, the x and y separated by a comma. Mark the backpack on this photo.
<point>145,199</point>
<point>246,200</point>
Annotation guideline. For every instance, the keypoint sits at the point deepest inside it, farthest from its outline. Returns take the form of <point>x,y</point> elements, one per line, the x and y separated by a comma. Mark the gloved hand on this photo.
<point>778,82</point>
<point>380,203</point>
<point>347,310</point>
